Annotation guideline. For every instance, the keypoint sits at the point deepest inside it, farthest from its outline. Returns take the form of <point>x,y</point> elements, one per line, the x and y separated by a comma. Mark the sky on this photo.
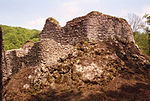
<point>32,14</point>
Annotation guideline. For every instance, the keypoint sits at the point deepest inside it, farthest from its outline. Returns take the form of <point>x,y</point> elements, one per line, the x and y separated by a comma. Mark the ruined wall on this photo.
<point>104,27</point>
<point>94,26</point>
<point>57,42</point>
<point>72,33</point>
<point>15,59</point>
<point>51,51</point>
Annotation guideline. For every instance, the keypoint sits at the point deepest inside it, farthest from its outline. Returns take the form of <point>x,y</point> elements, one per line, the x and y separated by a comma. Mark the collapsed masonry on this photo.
<point>86,49</point>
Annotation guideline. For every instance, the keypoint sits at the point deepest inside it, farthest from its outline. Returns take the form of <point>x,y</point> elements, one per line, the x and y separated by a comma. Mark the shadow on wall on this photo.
<point>33,57</point>
<point>52,95</point>
<point>137,92</point>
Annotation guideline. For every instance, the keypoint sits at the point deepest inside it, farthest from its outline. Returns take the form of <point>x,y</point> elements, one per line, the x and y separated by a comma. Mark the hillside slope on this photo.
<point>15,37</point>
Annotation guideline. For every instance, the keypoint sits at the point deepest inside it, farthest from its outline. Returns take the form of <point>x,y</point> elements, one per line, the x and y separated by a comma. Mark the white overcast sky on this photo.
<point>33,13</point>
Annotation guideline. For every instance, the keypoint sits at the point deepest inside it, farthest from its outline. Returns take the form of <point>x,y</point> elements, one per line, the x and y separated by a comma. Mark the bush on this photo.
<point>141,39</point>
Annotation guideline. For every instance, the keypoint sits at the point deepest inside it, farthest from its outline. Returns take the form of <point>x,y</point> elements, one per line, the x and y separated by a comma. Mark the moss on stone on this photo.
<point>94,12</point>
<point>53,20</point>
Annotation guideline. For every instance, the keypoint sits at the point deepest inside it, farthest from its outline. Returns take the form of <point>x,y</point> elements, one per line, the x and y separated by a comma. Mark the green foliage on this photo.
<point>141,39</point>
<point>15,37</point>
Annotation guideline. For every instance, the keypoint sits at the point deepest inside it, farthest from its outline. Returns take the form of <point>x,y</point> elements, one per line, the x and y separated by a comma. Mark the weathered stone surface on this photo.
<point>13,60</point>
<point>57,42</point>
<point>87,53</point>
<point>94,26</point>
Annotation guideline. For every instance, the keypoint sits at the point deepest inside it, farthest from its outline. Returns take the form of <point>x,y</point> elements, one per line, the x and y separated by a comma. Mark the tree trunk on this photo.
<point>1,40</point>
<point>149,42</point>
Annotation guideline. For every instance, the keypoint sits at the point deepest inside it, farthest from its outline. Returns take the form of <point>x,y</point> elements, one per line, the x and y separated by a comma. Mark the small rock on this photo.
<point>78,61</point>
<point>29,77</point>
<point>26,86</point>
<point>75,54</point>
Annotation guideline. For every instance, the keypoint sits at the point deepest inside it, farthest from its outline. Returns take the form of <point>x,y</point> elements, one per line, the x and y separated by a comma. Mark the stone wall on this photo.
<point>57,42</point>
<point>94,26</point>
<point>15,59</point>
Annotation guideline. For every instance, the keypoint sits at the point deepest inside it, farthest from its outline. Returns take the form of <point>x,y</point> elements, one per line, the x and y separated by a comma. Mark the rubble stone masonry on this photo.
<point>56,42</point>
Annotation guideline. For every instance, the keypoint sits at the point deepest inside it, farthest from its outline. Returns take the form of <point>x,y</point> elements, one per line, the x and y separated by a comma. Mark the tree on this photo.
<point>141,39</point>
<point>135,21</point>
<point>147,28</point>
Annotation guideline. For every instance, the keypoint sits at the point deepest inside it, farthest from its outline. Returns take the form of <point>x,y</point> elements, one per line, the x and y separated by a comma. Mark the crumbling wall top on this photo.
<point>52,20</point>
<point>93,26</point>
